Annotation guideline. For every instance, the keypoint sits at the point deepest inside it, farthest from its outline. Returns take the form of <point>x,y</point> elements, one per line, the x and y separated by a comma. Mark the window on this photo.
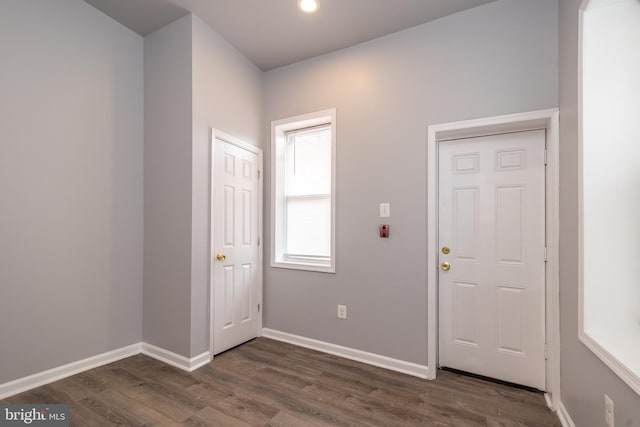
<point>303,192</point>
<point>610,177</point>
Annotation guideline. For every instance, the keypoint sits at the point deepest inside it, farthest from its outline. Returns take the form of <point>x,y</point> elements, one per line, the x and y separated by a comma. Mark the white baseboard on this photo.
<point>549,401</point>
<point>45,377</point>
<point>565,418</point>
<point>174,359</point>
<point>421,371</point>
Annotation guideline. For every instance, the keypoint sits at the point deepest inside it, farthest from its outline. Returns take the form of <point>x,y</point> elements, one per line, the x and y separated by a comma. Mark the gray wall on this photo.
<point>167,186</point>
<point>71,141</point>
<point>584,378</point>
<point>227,95</point>
<point>194,80</point>
<point>496,59</point>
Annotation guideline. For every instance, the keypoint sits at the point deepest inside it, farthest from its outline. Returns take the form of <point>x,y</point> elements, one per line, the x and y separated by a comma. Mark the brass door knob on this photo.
<point>445,266</point>
<point>221,257</point>
<point>445,250</point>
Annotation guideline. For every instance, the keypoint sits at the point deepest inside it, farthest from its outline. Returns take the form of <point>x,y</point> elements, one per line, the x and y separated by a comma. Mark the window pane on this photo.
<point>309,227</point>
<point>303,155</point>
<point>309,163</point>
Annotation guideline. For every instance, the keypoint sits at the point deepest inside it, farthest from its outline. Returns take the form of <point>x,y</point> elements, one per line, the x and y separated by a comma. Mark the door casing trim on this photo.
<point>543,119</point>
<point>216,134</point>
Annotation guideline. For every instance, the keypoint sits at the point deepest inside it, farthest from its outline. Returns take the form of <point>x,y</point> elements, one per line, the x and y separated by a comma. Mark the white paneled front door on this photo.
<point>492,256</point>
<point>235,252</point>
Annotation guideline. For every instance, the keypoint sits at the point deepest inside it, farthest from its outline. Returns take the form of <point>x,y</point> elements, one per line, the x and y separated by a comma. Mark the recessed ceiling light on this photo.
<point>308,6</point>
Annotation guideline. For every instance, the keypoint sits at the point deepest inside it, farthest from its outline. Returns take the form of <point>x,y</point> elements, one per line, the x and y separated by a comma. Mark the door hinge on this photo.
<point>258,308</point>
<point>258,241</point>
<point>546,352</point>
<point>545,157</point>
<point>545,254</point>
<point>259,171</point>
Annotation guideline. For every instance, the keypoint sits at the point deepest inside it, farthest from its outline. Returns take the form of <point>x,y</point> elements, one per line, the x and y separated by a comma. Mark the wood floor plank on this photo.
<point>249,411</point>
<point>140,415</point>
<point>117,376</point>
<point>211,417</point>
<point>78,387</point>
<point>287,419</point>
<point>81,416</point>
<point>270,383</point>
<point>165,400</point>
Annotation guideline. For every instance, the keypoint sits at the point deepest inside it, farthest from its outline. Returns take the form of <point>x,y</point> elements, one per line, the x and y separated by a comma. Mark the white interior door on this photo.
<point>235,252</point>
<point>492,219</point>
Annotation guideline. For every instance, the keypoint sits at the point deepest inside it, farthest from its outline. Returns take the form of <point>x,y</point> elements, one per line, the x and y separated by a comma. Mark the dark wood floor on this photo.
<point>269,383</point>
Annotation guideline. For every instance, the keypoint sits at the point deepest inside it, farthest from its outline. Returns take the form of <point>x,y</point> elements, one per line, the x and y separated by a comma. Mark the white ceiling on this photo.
<point>273,33</point>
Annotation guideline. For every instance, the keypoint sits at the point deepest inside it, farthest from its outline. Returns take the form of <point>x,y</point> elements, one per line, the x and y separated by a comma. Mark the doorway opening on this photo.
<point>235,248</point>
<point>491,228</point>
<point>548,121</point>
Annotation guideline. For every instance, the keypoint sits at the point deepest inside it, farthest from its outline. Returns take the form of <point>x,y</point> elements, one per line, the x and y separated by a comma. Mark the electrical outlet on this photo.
<point>608,412</point>
<point>342,311</point>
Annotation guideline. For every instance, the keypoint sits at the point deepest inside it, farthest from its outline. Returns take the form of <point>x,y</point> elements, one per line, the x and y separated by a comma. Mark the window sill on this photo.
<point>618,348</point>
<point>306,266</point>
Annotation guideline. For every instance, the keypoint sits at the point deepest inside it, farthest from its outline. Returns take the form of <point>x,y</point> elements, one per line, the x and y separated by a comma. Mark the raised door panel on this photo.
<point>465,222</point>
<point>464,313</point>
<point>509,223</point>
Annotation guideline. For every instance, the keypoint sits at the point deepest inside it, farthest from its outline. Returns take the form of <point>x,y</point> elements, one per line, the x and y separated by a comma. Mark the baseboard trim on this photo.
<point>549,401</point>
<point>397,365</point>
<point>45,377</point>
<point>177,360</point>
<point>563,415</point>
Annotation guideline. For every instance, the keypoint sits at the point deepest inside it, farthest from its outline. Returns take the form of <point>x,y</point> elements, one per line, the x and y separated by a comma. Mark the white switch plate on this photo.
<point>608,412</point>
<point>385,210</point>
<point>342,311</point>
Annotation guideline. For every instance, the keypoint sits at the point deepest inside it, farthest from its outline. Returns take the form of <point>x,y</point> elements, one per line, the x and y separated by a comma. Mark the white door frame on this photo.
<point>441,133</point>
<point>216,134</point>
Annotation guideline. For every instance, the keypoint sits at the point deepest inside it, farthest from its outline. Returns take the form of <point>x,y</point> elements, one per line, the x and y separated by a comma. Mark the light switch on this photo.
<point>385,210</point>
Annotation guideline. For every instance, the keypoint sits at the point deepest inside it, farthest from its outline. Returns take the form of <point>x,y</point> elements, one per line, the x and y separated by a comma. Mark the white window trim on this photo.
<point>619,368</point>
<point>279,129</point>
